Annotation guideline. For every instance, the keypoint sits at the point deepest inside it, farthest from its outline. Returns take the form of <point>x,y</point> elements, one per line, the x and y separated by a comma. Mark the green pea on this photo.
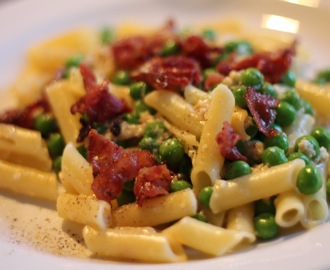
<point>200,217</point>
<point>137,90</point>
<point>205,196</point>
<point>209,34</point>
<point>265,225</point>
<point>289,79</point>
<point>107,35</point>
<point>129,186</point>
<point>171,151</point>
<point>252,130</point>
<point>286,114</point>
<point>82,150</point>
<point>322,135</point>
<point>101,128</point>
<point>140,107</point>
<point>327,188</point>
<point>322,77</point>
<point>178,185</point>
<point>309,180</point>
<point>74,61</point>
<point>45,123</point>
<point>132,118</point>
<point>55,144</point>
<point>269,89</point>
<point>236,169</point>
<point>169,48</point>
<point>307,145</point>
<point>273,156</point>
<point>122,77</point>
<point>149,143</point>
<point>307,107</point>
<point>71,63</point>
<point>125,197</point>
<point>252,77</point>
<point>239,95</point>
<point>239,46</point>
<point>57,165</point>
<point>280,141</point>
<point>264,206</point>
<point>154,129</point>
<point>292,98</point>
<point>300,155</point>
<point>185,167</point>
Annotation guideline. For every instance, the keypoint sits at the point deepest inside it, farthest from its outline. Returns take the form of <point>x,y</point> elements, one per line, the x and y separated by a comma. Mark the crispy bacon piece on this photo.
<point>98,103</point>
<point>129,53</point>
<point>273,65</point>
<point>196,48</point>
<point>112,165</point>
<point>226,140</point>
<point>172,73</point>
<point>151,182</point>
<point>25,117</point>
<point>262,108</point>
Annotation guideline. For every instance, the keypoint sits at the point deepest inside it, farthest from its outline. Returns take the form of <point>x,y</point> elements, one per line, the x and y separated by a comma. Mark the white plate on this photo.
<point>30,234</point>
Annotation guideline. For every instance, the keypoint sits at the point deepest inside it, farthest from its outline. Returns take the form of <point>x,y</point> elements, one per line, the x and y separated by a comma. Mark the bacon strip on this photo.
<point>196,48</point>
<point>172,73</point>
<point>151,182</point>
<point>273,65</point>
<point>112,165</point>
<point>129,53</point>
<point>25,117</point>
<point>98,103</point>
<point>262,108</point>
<point>226,140</point>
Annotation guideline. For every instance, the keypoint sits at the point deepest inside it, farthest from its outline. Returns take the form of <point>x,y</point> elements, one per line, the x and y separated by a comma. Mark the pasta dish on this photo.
<point>161,141</point>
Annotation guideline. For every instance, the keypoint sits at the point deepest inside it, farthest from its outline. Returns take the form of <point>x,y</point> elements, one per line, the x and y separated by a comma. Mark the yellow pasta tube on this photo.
<point>194,95</point>
<point>28,181</point>
<point>317,96</point>
<point>156,211</point>
<point>289,209</point>
<point>176,110</point>
<point>238,121</point>
<point>203,236</point>
<point>84,209</point>
<point>76,175</point>
<point>53,53</point>
<point>24,147</point>
<point>208,162</point>
<point>61,96</point>
<point>131,243</point>
<point>248,188</point>
<point>241,219</point>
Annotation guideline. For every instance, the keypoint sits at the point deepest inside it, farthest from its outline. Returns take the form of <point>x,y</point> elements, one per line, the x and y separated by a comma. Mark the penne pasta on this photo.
<point>289,209</point>
<point>208,161</point>
<point>24,147</point>
<point>28,181</point>
<point>204,237</point>
<point>84,210</point>
<point>145,244</point>
<point>255,186</point>
<point>176,110</point>
<point>76,175</point>
<point>156,211</point>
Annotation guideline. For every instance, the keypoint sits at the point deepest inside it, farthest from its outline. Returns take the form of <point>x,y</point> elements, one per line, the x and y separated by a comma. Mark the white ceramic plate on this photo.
<point>30,234</point>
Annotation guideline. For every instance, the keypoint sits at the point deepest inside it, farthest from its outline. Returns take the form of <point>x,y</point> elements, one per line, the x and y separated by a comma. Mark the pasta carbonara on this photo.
<point>160,140</point>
